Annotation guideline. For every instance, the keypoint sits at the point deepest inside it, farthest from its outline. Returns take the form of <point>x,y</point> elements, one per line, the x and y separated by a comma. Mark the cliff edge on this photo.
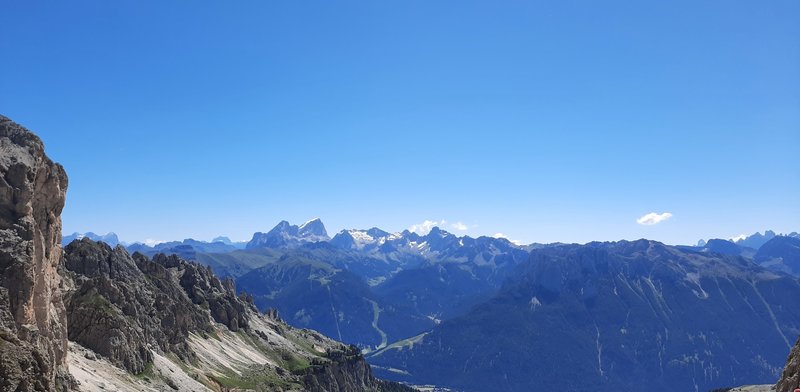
<point>33,331</point>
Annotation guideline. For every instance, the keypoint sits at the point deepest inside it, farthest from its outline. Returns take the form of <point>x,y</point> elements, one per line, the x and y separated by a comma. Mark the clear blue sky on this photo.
<point>546,121</point>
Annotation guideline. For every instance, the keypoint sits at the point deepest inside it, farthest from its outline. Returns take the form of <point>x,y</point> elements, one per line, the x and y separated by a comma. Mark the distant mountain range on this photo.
<point>625,316</point>
<point>110,238</point>
<point>366,286</point>
<point>476,314</point>
<point>776,252</point>
<point>753,241</point>
<point>187,248</point>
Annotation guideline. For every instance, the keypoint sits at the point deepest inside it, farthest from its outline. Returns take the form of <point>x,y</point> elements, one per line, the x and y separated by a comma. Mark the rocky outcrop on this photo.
<point>343,371</point>
<point>33,330</point>
<point>209,292</point>
<point>790,380</point>
<point>122,305</point>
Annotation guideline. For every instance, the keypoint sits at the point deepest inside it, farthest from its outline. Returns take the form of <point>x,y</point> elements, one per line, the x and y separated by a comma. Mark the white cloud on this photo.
<point>501,235</point>
<point>152,242</point>
<point>738,237</point>
<point>653,218</point>
<point>426,226</point>
<point>460,226</point>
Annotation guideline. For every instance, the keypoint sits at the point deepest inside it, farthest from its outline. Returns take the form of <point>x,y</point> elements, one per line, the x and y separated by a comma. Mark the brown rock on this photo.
<point>790,380</point>
<point>33,341</point>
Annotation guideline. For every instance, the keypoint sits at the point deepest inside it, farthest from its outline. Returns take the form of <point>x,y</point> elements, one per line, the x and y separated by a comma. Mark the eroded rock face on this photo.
<point>123,305</point>
<point>207,290</point>
<point>346,371</point>
<point>33,339</point>
<point>790,380</point>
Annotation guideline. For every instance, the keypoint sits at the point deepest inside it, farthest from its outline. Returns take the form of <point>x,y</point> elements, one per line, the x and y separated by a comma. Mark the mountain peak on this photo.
<point>313,227</point>
<point>435,230</point>
<point>225,240</point>
<point>286,235</point>
<point>755,240</point>
<point>377,233</point>
<point>282,225</point>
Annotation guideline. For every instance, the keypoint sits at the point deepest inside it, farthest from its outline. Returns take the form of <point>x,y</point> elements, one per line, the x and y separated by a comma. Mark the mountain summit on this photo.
<point>285,235</point>
<point>313,228</point>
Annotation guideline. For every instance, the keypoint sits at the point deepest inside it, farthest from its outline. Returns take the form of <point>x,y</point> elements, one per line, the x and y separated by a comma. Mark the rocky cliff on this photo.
<point>33,341</point>
<point>790,379</point>
<point>119,312</point>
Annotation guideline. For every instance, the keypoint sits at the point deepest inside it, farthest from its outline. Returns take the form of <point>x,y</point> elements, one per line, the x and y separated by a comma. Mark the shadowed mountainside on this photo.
<point>625,316</point>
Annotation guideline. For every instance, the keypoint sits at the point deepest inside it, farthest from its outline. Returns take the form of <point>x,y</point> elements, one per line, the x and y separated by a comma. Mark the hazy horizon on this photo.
<point>421,229</point>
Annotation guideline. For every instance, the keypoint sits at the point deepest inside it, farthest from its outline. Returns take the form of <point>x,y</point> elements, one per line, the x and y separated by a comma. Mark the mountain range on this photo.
<point>109,238</point>
<point>753,241</point>
<point>366,287</point>
<point>626,316</point>
<point>477,314</point>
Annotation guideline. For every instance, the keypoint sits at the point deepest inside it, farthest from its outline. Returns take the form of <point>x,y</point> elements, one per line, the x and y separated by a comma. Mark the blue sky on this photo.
<point>545,121</point>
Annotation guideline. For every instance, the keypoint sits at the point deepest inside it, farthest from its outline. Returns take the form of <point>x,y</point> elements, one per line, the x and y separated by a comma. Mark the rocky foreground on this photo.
<point>171,323</point>
<point>33,320</point>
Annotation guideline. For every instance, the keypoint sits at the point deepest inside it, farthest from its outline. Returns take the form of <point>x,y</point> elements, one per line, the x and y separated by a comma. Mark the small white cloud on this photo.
<point>501,235</point>
<point>152,242</point>
<point>426,226</point>
<point>738,237</point>
<point>460,226</point>
<point>653,218</point>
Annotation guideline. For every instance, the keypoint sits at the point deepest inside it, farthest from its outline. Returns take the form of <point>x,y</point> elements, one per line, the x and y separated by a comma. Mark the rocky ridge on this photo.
<point>146,315</point>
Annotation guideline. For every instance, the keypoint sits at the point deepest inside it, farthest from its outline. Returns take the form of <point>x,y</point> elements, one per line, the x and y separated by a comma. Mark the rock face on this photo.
<point>119,312</point>
<point>132,310</point>
<point>790,380</point>
<point>346,371</point>
<point>123,305</point>
<point>33,339</point>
